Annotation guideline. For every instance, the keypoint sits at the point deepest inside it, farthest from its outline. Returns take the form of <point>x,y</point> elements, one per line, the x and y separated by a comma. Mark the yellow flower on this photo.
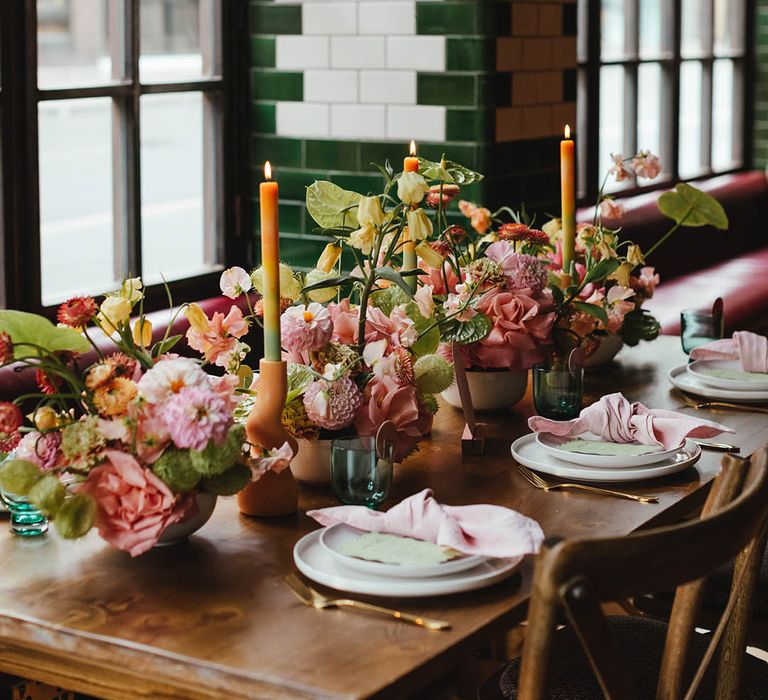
<point>142,333</point>
<point>553,228</point>
<point>428,255</point>
<point>131,289</point>
<point>290,288</point>
<point>586,233</point>
<point>363,238</point>
<point>115,310</point>
<point>369,211</point>
<point>621,274</point>
<point>411,188</point>
<point>44,418</point>
<point>419,225</point>
<point>329,257</point>
<point>635,255</point>
<point>197,318</point>
<point>324,294</point>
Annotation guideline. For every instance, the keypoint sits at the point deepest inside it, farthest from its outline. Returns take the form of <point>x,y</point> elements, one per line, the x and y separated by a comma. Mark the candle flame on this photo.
<point>567,131</point>
<point>413,147</point>
<point>268,170</point>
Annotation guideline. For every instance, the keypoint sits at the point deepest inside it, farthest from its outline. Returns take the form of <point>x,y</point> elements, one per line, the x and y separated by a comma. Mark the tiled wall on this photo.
<point>761,85</point>
<point>337,84</point>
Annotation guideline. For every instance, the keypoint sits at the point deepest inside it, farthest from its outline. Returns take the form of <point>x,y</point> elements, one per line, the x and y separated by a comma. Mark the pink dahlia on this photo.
<point>306,327</point>
<point>521,271</point>
<point>332,405</point>
<point>196,415</point>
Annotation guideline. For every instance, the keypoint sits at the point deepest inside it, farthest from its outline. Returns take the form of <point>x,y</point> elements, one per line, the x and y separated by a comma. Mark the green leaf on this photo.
<point>466,332</point>
<point>597,312</point>
<point>387,299</point>
<point>166,345</point>
<point>76,516</point>
<point>230,482</point>
<point>18,476</point>
<point>557,293</point>
<point>457,172</point>
<point>324,284</point>
<point>329,205</point>
<point>429,338</point>
<point>392,275</point>
<point>639,325</point>
<point>601,270</point>
<point>30,328</point>
<point>689,206</point>
<point>299,378</point>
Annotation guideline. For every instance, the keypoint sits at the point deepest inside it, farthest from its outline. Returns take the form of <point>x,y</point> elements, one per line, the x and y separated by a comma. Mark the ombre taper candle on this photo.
<point>270,261</point>
<point>568,198</point>
<point>410,165</point>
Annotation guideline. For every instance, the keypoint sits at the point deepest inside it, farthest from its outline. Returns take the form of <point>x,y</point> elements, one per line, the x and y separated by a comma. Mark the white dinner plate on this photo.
<point>711,373</point>
<point>553,445</point>
<point>335,537</point>
<point>316,563</point>
<point>688,382</point>
<point>530,454</point>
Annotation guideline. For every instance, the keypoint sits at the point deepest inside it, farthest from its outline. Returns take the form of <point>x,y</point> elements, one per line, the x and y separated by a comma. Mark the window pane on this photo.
<point>73,43</point>
<point>691,75</point>
<point>729,25</point>
<point>694,30</point>
<point>76,233</point>
<point>611,115</point>
<point>653,41</point>
<point>725,97</point>
<point>612,29</point>
<point>172,217</point>
<point>177,40</point>
<point>649,112</point>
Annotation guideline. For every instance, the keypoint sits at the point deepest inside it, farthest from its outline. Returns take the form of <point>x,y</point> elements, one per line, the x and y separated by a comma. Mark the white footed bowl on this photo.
<point>206,503</point>
<point>490,389</point>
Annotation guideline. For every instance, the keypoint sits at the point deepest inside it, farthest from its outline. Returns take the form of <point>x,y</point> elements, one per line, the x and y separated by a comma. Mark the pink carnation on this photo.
<point>134,505</point>
<point>306,327</point>
<point>332,405</point>
<point>196,415</point>
<point>40,449</point>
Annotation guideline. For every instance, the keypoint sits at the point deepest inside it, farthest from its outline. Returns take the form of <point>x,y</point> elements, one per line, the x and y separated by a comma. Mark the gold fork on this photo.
<point>548,485</point>
<point>698,405</point>
<point>309,596</point>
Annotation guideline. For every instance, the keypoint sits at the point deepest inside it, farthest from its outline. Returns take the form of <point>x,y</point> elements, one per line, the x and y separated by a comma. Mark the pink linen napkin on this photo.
<point>491,531</point>
<point>615,419</point>
<point>750,348</point>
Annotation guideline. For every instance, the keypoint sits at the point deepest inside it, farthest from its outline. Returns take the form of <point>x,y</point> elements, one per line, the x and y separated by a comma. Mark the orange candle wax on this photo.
<point>270,261</point>
<point>410,165</point>
<point>568,194</point>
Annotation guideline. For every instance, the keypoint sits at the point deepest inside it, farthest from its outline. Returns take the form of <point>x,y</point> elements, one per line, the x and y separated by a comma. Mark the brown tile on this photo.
<point>509,124</point>
<point>563,114</point>
<point>524,88</point>
<point>537,122</point>
<point>525,19</point>
<point>549,87</point>
<point>550,19</point>
<point>537,53</point>
<point>564,52</point>
<point>509,54</point>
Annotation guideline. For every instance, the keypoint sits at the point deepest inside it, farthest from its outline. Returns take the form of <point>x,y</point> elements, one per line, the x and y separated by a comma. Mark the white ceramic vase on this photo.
<point>312,464</point>
<point>608,349</point>
<point>206,503</point>
<point>491,389</point>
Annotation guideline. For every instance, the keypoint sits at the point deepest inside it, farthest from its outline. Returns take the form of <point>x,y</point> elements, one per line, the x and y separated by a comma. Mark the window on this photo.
<point>669,76</point>
<point>125,118</point>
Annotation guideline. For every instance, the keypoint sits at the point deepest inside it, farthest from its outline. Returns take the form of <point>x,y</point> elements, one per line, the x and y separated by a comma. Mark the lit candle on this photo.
<point>410,165</point>
<point>568,194</point>
<point>270,261</point>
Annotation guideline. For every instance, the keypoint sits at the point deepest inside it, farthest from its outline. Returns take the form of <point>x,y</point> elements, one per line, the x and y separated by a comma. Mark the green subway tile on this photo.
<point>360,183</point>
<point>301,251</point>
<point>263,117</point>
<point>269,18</point>
<point>448,17</point>
<point>470,125</point>
<point>281,152</point>
<point>380,152</point>
<point>469,54</point>
<point>262,52</point>
<point>445,89</point>
<point>294,183</point>
<point>336,155</point>
<point>277,85</point>
<point>465,154</point>
<point>290,217</point>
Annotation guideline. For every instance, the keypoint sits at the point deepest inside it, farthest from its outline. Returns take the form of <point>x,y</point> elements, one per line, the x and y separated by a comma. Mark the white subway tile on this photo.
<point>392,17</point>
<point>357,52</point>
<point>330,86</point>
<point>388,87</point>
<point>329,18</point>
<point>303,119</point>
<point>420,122</point>
<point>416,52</point>
<point>295,51</point>
<point>358,121</point>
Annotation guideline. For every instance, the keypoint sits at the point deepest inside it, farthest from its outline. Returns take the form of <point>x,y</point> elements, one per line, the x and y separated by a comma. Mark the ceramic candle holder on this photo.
<point>275,493</point>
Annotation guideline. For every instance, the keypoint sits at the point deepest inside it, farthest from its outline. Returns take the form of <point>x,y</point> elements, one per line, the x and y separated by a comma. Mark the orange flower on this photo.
<point>112,399</point>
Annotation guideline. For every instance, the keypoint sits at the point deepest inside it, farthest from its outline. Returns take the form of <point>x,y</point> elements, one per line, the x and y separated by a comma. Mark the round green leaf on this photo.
<point>76,516</point>
<point>48,494</point>
<point>466,332</point>
<point>328,205</point>
<point>24,327</point>
<point>689,206</point>
<point>17,476</point>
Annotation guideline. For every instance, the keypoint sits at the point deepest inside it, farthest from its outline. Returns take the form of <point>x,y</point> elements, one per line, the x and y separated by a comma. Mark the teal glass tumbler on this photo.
<point>558,391</point>
<point>699,327</point>
<point>26,519</point>
<point>361,475</point>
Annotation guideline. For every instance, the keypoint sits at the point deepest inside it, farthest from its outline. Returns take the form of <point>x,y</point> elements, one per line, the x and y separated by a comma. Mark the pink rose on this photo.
<point>385,400</point>
<point>134,505</point>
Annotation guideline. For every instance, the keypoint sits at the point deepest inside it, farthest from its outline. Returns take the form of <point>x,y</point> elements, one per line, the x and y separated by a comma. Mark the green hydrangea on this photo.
<point>215,460</point>
<point>82,443</point>
<point>230,482</point>
<point>433,374</point>
<point>175,468</point>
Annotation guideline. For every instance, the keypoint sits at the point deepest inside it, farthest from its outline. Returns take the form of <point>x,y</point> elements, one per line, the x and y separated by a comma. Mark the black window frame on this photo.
<point>20,285</point>
<point>591,170</point>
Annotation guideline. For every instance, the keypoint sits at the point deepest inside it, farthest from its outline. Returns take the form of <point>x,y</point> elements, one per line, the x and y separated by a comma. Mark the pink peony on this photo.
<point>611,209</point>
<point>195,416</point>
<point>647,165</point>
<point>332,405</point>
<point>134,505</point>
<point>385,400</point>
<point>521,325</point>
<point>522,271</point>
<point>43,450</point>
<point>306,327</point>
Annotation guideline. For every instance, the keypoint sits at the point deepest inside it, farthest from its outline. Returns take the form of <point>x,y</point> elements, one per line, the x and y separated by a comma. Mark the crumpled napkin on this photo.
<point>488,530</point>
<point>615,419</point>
<point>750,348</point>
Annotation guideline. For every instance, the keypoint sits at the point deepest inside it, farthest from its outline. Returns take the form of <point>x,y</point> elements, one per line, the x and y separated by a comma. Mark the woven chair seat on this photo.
<point>718,589</point>
<point>641,643</point>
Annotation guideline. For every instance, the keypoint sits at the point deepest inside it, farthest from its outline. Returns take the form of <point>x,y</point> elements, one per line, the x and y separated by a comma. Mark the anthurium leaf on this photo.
<point>457,172</point>
<point>429,333</point>
<point>299,378</point>
<point>324,284</point>
<point>689,206</point>
<point>601,270</point>
<point>166,345</point>
<point>24,327</point>
<point>392,275</point>
<point>557,294</point>
<point>593,310</point>
<point>465,332</point>
<point>329,205</point>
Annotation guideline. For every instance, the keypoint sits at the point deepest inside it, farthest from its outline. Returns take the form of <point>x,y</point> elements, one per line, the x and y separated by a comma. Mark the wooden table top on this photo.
<point>212,618</point>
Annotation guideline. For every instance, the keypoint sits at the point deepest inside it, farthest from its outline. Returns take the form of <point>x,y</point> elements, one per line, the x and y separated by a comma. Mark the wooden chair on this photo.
<point>668,662</point>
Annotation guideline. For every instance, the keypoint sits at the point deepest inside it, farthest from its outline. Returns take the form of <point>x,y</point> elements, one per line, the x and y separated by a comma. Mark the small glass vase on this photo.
<point>361,475</point>
<point>558,391</point>
<point>699,327</point>
<point>26,519</point>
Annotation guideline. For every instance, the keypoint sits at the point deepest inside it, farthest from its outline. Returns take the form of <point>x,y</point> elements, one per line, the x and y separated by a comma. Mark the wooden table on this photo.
<point>212,618</point>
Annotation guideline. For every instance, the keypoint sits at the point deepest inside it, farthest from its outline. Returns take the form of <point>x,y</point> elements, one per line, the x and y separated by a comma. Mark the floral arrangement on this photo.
<point>127,441</point>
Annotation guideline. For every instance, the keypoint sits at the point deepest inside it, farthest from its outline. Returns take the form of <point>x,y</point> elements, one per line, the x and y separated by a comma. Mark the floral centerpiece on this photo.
<point>130,441</point>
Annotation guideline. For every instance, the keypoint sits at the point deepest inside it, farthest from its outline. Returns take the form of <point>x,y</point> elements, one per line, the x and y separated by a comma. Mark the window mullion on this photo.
<point>674,113</point>
<point>706,86</point>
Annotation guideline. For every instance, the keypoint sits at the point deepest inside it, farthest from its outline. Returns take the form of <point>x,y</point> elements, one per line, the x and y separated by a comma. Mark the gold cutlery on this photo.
<point>719,446</point>
<point>691,403</point>
<point>548,485</point>
<point>309,596</point>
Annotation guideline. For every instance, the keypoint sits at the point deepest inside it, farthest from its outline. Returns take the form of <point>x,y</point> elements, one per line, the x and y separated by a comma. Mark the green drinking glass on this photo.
<point>361,476</point>
<point>558,391</point>
<point>26,520</point>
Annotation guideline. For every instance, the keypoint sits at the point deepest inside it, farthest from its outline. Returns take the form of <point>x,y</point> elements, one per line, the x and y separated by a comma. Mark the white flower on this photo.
<point>363,238</point>
<point>115,310</point>
<point>411,188</point>
<point>131,289</point>
<point>419,225</point>
<point>369,211</point>
<point>425,301</point>
<point>234,282</point>
<point>381,364</point>
<point>169,377</point>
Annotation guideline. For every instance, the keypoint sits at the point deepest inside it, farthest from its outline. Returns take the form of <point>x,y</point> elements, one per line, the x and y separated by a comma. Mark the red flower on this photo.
<point>456,233</point>
<point>6,349</point>
<point>433,196</point>
<point>441,247</point>
<point>513,232</point>
<point>536,236</point>
<point>10,422</point>
<point>47,383</point>
<point>77,312</point>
